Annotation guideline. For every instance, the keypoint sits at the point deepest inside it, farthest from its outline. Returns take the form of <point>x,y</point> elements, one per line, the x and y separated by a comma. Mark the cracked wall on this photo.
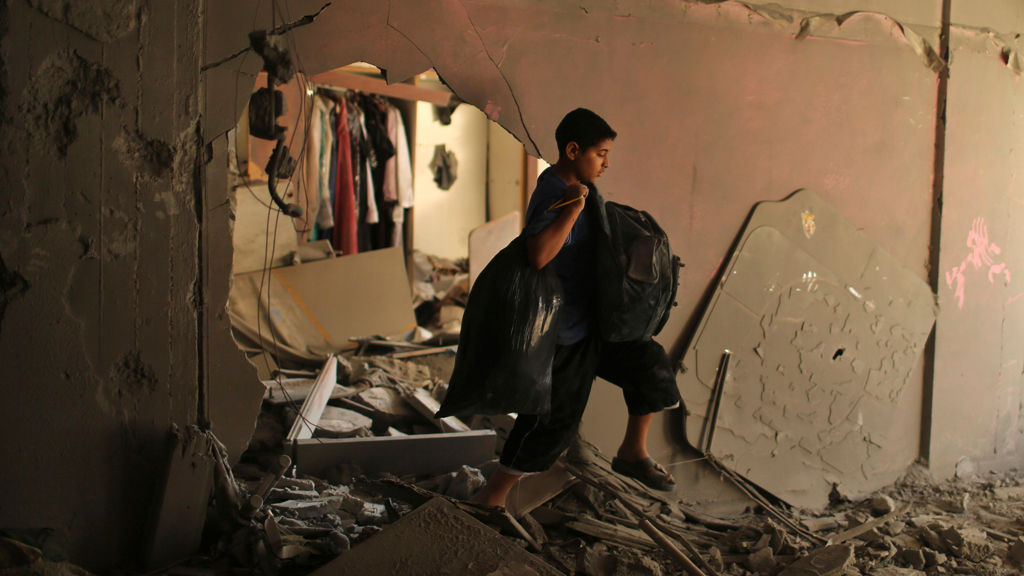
<point>99,244</point>
<point>117,253</point>
<point>717,107</point>
<point>979,345</point>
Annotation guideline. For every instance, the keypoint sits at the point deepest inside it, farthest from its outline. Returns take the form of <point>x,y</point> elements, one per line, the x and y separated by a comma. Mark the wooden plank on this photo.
<point>314,405</point>
<point>373,85</point>
<point>533,490</point>
<point>427,405</point>
<point>610,532</point>
<point>401,455</point>
<point>177,528</point>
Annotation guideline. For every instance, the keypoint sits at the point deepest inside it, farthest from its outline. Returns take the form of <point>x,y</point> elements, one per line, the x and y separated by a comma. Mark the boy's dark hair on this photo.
<point>584,128</point>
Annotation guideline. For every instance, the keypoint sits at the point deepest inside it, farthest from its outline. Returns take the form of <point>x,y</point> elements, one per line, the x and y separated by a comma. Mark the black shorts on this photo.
<point>640,368</point>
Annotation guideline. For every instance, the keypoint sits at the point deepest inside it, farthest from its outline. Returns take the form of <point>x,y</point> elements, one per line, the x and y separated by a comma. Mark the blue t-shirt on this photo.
<point>575,264</point>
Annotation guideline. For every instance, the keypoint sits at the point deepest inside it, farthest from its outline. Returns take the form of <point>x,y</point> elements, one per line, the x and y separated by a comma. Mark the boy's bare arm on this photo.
<point>545,245</point>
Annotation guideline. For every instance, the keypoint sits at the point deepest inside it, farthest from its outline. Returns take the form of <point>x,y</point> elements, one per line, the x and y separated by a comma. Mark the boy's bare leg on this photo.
<point>496,490</point>
<point>634,445</point>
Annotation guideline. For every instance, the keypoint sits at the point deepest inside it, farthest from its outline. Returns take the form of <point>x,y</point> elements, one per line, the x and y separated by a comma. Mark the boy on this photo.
<point>566,237</point>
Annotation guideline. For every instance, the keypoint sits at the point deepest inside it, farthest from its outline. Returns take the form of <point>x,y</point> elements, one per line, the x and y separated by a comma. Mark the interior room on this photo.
<point>511,287</point>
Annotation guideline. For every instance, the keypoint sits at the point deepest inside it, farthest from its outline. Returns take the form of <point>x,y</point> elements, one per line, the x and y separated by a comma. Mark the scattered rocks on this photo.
<point>827,561</point>
<point>880,505</point>
<point>762,562</point>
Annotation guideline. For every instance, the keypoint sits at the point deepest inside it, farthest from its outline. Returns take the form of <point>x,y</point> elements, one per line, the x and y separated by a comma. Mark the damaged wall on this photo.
<point>110,330</point>
<point>102,291</point>
<point>717,108</point>
<point>979,340</point>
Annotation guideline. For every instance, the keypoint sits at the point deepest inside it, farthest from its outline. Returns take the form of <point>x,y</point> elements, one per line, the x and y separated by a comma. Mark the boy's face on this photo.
<point>591,163</point>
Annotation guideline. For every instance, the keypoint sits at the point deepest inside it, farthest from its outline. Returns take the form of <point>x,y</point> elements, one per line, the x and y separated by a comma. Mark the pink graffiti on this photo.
<point>982,252</point>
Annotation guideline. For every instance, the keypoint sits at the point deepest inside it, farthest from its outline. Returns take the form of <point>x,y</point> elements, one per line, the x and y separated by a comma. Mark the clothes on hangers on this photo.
<point>358,172</point>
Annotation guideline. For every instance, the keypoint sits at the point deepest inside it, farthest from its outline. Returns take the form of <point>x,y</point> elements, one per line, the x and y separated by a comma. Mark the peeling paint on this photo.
<point>132,375</point>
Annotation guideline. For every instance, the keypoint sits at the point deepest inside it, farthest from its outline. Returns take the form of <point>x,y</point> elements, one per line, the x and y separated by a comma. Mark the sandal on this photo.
<point>647,471</point>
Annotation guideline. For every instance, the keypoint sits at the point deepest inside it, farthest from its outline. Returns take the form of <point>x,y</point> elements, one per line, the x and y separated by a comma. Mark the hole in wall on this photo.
<point>287,325</point>
<point>838,354</point>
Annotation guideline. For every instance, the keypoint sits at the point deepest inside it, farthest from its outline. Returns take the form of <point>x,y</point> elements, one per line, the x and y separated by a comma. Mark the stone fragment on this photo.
<point>296,483</point>
<point>907,542</point>
<point>933,558</point>
<point>968,543</point>
<point>301,508</point>
<point>279,495</point>
<point>894,528</point>
<point>1009,493</point>
<point>827,561</point>
<point>931,538</point>
<point>339,541</point>
<point>465,484</point>
<point>880,505</point>
<point>762,562</point>
<point>913,558</point>
<point>872,535</point>
<point>715,559</point>
<point>1016,552</point>
<point>895,571</point>
<point>372,515</point>
<point>351,504</point>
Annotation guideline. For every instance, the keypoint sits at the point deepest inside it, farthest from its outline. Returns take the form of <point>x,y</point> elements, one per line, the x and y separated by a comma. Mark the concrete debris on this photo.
<point>827,561</point>
<point>63,89</point>
<point>881,505</point>
<point>762,562</point>
<point>465,483</point>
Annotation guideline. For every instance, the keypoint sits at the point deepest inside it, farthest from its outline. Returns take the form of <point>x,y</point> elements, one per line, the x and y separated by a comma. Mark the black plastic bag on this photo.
<point>508,339</point>
<point>639,275</point>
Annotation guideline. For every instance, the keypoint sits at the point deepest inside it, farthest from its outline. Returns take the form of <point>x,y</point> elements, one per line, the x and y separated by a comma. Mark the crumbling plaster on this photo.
<point>101,135</point>
<point>116,265</point>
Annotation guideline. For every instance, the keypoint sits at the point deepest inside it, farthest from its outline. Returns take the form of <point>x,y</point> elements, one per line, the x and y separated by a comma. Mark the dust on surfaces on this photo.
<point>65,88</point>
<point>12,286</point>
<point>133,375</point>
<point>98,19</point>
<point>150,158</point>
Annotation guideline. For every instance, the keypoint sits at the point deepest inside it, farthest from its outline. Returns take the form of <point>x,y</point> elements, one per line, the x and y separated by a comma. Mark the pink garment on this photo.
<point>346,233</point>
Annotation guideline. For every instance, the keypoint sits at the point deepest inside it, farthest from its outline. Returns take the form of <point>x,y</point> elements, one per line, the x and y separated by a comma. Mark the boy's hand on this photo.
<point>575,191</point>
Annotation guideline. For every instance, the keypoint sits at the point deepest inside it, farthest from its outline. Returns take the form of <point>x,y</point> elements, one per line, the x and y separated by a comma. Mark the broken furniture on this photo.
<point>824,329</point>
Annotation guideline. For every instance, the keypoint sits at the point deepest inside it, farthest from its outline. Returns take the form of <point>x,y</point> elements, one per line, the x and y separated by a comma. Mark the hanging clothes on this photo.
<point>346,236</point>
<point>319,140</point>
<point>323,107</point>
<point>398,174</point>
<point>375,122</point>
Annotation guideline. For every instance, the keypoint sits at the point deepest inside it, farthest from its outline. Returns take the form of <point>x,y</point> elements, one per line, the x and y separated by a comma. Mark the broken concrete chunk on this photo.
<point>907,542</point>
<point>372,515</point>
<point>388,401</point>
<point>894,528</point>
<point>339,541</point>
<point>1009,493</point>
<point>894,571</point>
<point>819,524</point>
<point>827,561</point>
<point>1016,552</point>
<point>913,558</point>
<point>880,505</point>
<point>932,558</point>
<point>341,423</point>
<point>968,543</point>
<point>296,483</point>
<point>301,508</point>
<point>762,562</point>
<point>279,495</point>
<point>467,482</point>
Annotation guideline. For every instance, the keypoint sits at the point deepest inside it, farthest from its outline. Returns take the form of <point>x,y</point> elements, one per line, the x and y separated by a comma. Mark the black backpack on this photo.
<point>638,274</point>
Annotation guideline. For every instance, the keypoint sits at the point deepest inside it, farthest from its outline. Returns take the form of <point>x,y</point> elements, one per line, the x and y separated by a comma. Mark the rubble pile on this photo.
<point>440,290</point>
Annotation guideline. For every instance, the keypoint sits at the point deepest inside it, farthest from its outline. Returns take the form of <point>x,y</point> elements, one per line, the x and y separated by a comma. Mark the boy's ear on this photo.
<point>572,150</point>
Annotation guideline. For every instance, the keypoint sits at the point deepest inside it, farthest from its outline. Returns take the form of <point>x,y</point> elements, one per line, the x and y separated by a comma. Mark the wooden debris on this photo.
<point>314,405</point>
<point>427,405</point>
<point>870,524</point>
<point>670,549</point>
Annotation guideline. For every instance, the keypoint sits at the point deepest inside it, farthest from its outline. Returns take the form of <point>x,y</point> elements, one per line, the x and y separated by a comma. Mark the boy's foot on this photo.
<point>647,471</point>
